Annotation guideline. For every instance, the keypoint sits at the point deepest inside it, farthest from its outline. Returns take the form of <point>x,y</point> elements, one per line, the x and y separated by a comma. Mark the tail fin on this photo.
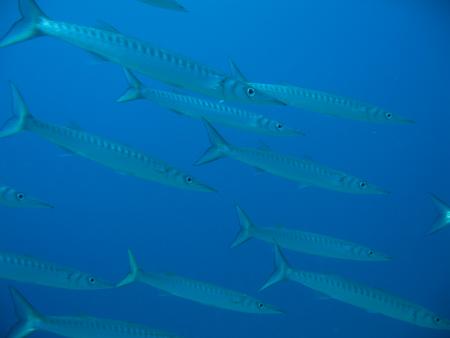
<point>28,317</point>
<point>281,266</point>
<point>18,121</point>
<point>26,27</point>
<point>134,273</point>
<point>218,147</point>
<point>134,90</point>
<point>443,219</point>
<point>246,228</point>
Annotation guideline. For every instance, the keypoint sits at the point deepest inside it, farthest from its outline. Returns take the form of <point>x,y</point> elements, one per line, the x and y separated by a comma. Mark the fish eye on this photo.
<point>20,196</point>
<point>91,280</point>
<point>370,253</point>
<point>279,126</point>
<point>363,184</point>
<point>189,179</point>
<point>260,305</point>
<point>437,319</point>
<point>388,116</point>
<point>251,91</point>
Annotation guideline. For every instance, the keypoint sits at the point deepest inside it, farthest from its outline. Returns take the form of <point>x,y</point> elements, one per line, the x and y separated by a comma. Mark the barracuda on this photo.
<point>114,155</point>
<point>306,242</point>
<point>167,4</point>
<point>197,291</point>
<point>368,298</point>
<point>154,62</point>
<point>198,108</point>
<point>13,198</point>
<point>303,171</point>
<point>27,269</point>
<point>30,320</point>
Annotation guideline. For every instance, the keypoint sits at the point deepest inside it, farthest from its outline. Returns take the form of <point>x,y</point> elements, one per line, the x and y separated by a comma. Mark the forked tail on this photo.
<point>443,219</point>
<point>134,272</point>
<point>27,27</point>
<point>17,122</point>
<point>281,267</point>
<point>247,226</point>
<point>218,148</point>
<point>28,317</point>
<point>133,91</point>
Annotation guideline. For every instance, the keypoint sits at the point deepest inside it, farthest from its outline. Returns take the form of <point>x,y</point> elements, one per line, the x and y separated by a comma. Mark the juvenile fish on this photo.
<point>30,320</point>
<point>306,242</point>
<point>167,4</point>
<point>371,299</point>
<point>197,291</point>
<point>303,171</point>
<point>198,108</point>
<point>27,269</point>
<point>13,198</point>
<point>114,155</point>
<point>157,63</point>
<point>324,103</point>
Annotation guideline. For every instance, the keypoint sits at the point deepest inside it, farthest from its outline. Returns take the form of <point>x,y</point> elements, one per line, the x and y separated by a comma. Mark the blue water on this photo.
<point>394,54</point>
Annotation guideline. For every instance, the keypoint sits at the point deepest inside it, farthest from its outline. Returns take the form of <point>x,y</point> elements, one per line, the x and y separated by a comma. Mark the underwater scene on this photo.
<point>224,169</point>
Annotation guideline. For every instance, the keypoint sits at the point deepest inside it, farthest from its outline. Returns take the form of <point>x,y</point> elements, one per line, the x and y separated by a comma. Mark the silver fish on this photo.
<point>114,155</point>
<point>27,269</point>
<point>167,4</point>
<point>323,102</point>
<point>13,198</point>
<point>199,108</point>
<point>157,63</point>
<point>306,242</point>
<point>30,320</point>
<point>371,299</point>
<point>304,171</point>
<point>197,291</point>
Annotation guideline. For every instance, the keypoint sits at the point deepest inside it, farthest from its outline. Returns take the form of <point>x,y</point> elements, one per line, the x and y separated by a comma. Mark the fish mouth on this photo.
<point>205,188</point>
<point>405,121</point>
<point>39,204</point>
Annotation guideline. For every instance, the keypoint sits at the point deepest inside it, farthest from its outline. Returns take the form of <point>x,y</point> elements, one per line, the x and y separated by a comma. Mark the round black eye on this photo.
<point>388,116</point>
<point>370,253</point>
<point>362,184</point>
<point>260,305</point>
<point>92,280</point>
<point>20,196</point>
<point>279,126</point>
<point>189,179</point>
<point>437,319</point>
<point>251,91</point>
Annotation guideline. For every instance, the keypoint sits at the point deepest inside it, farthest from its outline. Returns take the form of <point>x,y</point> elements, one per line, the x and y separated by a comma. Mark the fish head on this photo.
<point>377,114</point>
<point>431,320</point>
<point>264,308</point>
<point>241,91</point>
<point>191,183</point>
<point>357,185</point>
<point>275,128</point>
<point>90,282</point>
<point>368,254</point>
<point>18,199</point>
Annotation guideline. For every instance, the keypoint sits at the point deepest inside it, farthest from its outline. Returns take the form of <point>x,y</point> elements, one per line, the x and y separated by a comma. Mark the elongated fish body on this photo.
<point>154,62</point>
<point>27,269</point>
<point>167,4</point>
<point>197,291</point>
<point>31,320</point>
<point>368,298</point>
<point>198,108</point>
<point>13,198</point>
<point>305,242</point>
<point>114,155</point>
<point>303,171</point>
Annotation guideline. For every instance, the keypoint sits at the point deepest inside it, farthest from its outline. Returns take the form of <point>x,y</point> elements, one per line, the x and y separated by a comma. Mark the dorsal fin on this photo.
<point>235,71</point>
<point>107,27</point>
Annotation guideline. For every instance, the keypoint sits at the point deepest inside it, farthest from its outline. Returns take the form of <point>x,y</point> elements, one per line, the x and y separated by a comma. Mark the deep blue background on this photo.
<point>392,53</point>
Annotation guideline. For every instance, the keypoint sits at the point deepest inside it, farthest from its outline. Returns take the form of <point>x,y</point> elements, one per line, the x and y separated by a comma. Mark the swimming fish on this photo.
<point>30,320</point>
<point>114,155</point>
<point>197,291</point>
<point>198,108</point>
<point>324,103</point>
<point>157,63</point>
<point>167,4</point>
<point>368,298</point>
<point>306,242</point>
<point>27,269</point>
<point>304,171</point>
<point>10,197</point>
<point>443,220</point>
